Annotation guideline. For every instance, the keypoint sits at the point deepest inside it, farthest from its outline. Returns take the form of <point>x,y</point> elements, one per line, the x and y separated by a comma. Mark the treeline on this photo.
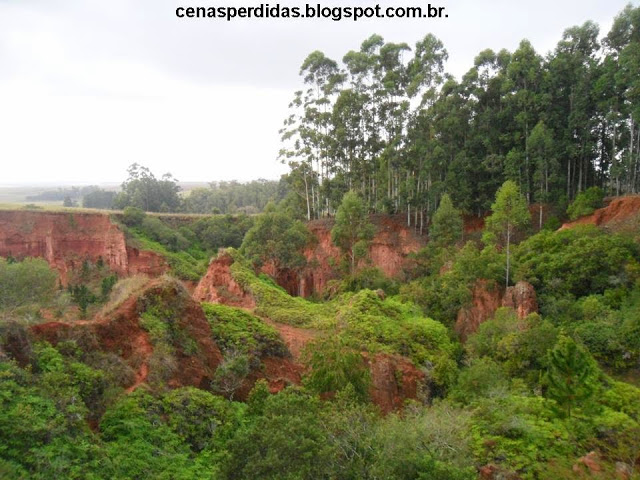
<point>389,123</point>
<point>235,197</point>
<point>143,190</point>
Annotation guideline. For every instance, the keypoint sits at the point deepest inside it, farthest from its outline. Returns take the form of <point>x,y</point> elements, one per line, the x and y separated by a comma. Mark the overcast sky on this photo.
<point>88,87</point>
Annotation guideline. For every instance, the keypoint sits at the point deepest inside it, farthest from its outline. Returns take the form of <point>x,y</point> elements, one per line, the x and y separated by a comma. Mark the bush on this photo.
<point>133,216</point>
<point>236,329</point>
<point>586,203</point>
<point>30,281</point>
<point>579,261</point>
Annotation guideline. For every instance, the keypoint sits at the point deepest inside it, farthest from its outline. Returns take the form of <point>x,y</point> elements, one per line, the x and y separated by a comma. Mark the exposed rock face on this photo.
<point>590,463</point>
<point>619,211</point>
<point>394,379</point>
<point>486,299</point>
<point>277,371</point>
<point>392,243</point>
<point>218,285</point>
<point>65,240</point>
<point>120,332</point>
<point>521,298</point>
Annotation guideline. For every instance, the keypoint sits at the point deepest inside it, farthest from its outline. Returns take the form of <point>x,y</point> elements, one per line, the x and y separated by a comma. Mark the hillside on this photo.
<point>439,361</point>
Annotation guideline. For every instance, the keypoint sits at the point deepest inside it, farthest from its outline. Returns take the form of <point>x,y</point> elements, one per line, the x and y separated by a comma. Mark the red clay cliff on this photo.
<point>65,240</point>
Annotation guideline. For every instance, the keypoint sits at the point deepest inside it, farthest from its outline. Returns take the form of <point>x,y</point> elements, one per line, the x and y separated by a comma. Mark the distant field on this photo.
<point>57,207</point>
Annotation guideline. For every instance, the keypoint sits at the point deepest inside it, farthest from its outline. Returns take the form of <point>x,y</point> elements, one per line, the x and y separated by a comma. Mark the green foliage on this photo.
<point>133,216</point>
<point>102,199</point>
<point>273,302</point>
<point>446,226</point>
<point>276,238</point>
<point>442,295</point>
<point>220,231</point>
<point>188,264</point>
<point>521,346</point>
<point>364,321</point>
<point>571,376</point>
<point>235,197</point>
<point>286,442</point>
<point>236,329</point>
<point>510,213</point>
<point>144,191</point>
<point>520,433</point>
<point>106,285</point>
<point>352,231</point>
<point>483,378</point>
<point>370,278</point>
<point>578,261</point>
<point>231,373</point>
<point>586,203</point>
<point>334,366</point>
<point>30,281</point>
<point>431,443</point>
<point>139,442</point>
<point>161,313</point>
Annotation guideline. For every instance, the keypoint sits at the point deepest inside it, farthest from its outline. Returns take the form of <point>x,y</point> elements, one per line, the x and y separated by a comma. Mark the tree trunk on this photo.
<point>508,254</point>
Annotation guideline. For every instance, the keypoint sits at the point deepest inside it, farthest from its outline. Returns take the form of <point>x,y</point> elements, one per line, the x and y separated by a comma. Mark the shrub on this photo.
<point>30,281</point>
<point>586,203</point>
<point>133,216</point>
<point>236,329</point>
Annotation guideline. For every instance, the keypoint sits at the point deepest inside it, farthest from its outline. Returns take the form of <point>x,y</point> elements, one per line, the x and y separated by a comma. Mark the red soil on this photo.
<point>120,332</point>
<point>486,300</point>
<point>618,214</point>
<point>295,338</point>
<point>65,240</point>
<point>218,285</point>
<point>394,379</point>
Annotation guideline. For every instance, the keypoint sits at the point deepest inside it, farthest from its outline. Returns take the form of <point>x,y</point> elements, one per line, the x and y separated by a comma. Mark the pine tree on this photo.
<point>510,213</point>
<point>570,376</point>
<point>446,228</point>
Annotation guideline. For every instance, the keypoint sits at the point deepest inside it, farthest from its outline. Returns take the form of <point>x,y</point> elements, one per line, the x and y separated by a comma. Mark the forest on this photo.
<point>445,286</point>
<point>388,122</point>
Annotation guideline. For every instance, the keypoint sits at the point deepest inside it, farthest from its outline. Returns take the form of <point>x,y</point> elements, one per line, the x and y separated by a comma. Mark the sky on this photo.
<point>88,87</point>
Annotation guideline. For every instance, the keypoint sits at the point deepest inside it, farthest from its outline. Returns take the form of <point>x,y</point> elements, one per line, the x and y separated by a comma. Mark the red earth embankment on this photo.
<point>392,243</point>
<point>488,298</point>
<point>119,331</point>
<point>66,239</point>
<point>621,214</point>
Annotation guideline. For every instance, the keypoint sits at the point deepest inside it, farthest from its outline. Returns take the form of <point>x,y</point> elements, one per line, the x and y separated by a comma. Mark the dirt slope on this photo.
<point>621,214</point>
<point>66,239</point>
<point>120,332</point>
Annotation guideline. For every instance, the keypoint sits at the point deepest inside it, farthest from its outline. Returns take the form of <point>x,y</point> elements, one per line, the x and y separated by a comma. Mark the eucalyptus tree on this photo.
<point>523,74</point>
<point>572,74</point>
<point>542,151</point>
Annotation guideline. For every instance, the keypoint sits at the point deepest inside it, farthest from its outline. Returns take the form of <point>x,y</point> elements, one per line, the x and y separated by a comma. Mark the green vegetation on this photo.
<point>276,239</point>
<point>237,330</point>
<point>509,213</point>
<point>446,227</point>
<point>389,123</point>
<point>189,247</point>
<point>524,396</point>
<point>352,231</point>
<point>586,203</point>
<point>30,281</point>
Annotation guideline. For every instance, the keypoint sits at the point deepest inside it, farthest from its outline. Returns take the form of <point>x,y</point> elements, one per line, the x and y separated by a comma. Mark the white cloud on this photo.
<point>88,87</point>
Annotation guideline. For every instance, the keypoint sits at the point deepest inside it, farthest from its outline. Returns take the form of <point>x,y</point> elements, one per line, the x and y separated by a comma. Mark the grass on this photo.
<point>123,290</point>
<point>235,329</point>
<point>364,321</point>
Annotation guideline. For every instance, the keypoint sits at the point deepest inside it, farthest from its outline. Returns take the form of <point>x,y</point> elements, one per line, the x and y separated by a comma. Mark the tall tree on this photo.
<point>276,238</point>
<point>352,231</point>
<point>571,375</point>
<point>510,213</point>
<point>446,228</point>
<point>542,152</point>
